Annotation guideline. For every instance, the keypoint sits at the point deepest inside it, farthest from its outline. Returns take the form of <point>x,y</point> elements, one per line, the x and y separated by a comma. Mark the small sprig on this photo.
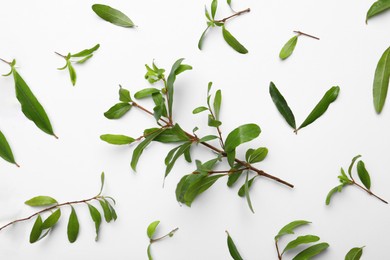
<point>151,230</point>
<point>307,253</point>
<point>364,177</point>
<point>81,57</point>
<point>289,47</point>
<point>41,228</point>
<point>212,22</point>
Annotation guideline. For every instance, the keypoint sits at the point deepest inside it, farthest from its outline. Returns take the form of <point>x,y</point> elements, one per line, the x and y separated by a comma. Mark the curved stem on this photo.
<point>169,234</point>
<point>233,15</point>
<point>369,192</point>
<point>277,250</point>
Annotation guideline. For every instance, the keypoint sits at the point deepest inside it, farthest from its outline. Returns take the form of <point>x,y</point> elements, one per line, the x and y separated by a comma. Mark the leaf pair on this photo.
<point>344,180</point>
<point>5,150</point>
<point>289,46</point>
<point>120,109</point>
<point>112,15</point>
<point>83,56</point>
<point>378,7</point>
<point>151,230</point>
<point>283,108</point>
<point>381,81</point>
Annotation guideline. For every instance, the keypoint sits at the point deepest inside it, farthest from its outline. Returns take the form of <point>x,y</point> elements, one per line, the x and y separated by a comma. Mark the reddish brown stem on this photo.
<point>369,192</point>
<point>233,15</point>
<point>9,63</point>
<point>307,35</point>
<point>277,250</point>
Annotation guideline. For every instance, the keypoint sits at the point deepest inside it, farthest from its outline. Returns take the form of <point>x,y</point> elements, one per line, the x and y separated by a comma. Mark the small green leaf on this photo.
<point>381,80</point>
<point>72,73</point>
<point>5,150</point>
<point>258,155</point>
<point>117,139</point>
<point>311,251</point>
<point>36,230</point>
<point>106,210</point>
<point>86,52</point>
<point>112,15</point>
<point>332,192</point>
<point>364,176</point>
<point>299,241</point>
<point>289,228</point>
<point>208,138</point>
<point>124,95</point>
<point>329,97</point>
<point>236,45</point>
<point>83,60</point>
<point>377,8</point>
<point>41,201</point>
<point>147,92</point>
<point>149,252</point>
<point>113,212</point>
<point>234,176</point>
<point>96,217</point>
<point>217,103</point>
<point>281,105</point>
<point>240,135</point>
<point>241,191</point>
<point>214,6</point>
<point>200,43</point>
<point>354,254</point>
<point>288,48</point>
<point>207,14</point>
<point>118,110</point>
<point>199,109</point>
<point>102,179</point>
<point>212,122</point>
<point>152,228</point>
<point>352,163</point>
<point>73,226</point>
<point>232,248</point>
<point>52,220</point>
<point>246,192</point>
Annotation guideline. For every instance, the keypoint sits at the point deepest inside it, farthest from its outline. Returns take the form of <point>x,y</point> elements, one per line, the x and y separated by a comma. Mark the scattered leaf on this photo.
<point>311,251</point>
<point>377,8</point>
<point>232,248</point>
<point>41,201</point>
<point>112,15</point>
<point>289,228</point>
<point>288,48</point>
<point>281,105</point>
<point>117,139</point>
<point>236,45</point>
<point>354,254</point>
<point>381,80</point>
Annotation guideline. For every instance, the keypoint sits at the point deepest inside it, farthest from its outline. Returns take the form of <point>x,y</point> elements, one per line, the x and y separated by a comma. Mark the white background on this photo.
<point>69,168</point>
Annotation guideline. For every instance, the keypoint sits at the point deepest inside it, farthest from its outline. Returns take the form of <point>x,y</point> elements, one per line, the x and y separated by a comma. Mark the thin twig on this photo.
<point>9,63</point>
<point>233,15</point>
<point>169,234</point>
<point>369,192</point>
<point>63,56</point>
<point>308,35</point>
<point>277,250</point>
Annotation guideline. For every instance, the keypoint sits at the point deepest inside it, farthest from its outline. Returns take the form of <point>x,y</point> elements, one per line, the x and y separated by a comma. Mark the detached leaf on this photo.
<point>289,228</point>
<point>52,220</point>
<point>329,97</point>
<point>117,111</point>
<point>377,8</point>
<point>5,150</point>
<point>117,139</point>
<point>332,192</point>
<point>96,217</point>
<point>354,254</point>
<point>240,135</point>
<point>200,43</point>
<point>73,226</point>
<point>364,176</point>
<point>236,45</point>
<point>36,230</point>
<point>112,15</point>
<point>86,52</point>
<point>299,241</point>
<point>288,48</point>
<point>152,228</point>
<point>232,248</point>
<point>281,105</point>
<point>311,251</point>
<point>381,80</point>
<point>41,201</point>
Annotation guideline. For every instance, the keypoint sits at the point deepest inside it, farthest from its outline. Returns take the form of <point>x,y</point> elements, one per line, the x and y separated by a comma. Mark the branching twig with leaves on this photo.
<point>151,230</point>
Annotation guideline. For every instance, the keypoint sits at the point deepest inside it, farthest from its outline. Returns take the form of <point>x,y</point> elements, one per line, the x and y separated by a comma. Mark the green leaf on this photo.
<point>96,217</point>
<point>198,187</point>
<point>229,2</point>
<point>329,97</point>
<point>231,157</point>
<point>352,163</point>
<point>179,132</point>
<point>199,109</point>
<point>106,210</point>
<point>112,15</point>
<point>236,45</point>
<point>86,52</point>
<point>354,254</point>
<point>102,178</point>
<point>124,95</point>
<point>246,192</point>
<point>212,122</point>
<point>232,248</point>
<point>288,48</point>
<point>140,148</point>
<point>73,226</point>
<point>175,154</point>
<point>240,135</point>
<point>217,103</point>
<point>281,105</point>
<point>118,110</point>
<point>233,177</point>
<point>84,59</point>
<point>289,228</point>
<point>214,6</point>
<point>113,212</point>
<point>72,73</point>
<point>117,139</point>
<point>36,230</point>
<point>41,201</point>
<point>332,192</point>
<point>149,252</point>
<point>5,150</point>
<point>377,8</point>
<point>147,92</point>
<point>31,107</point>
<point>299,241</point>
<point>152,228</point>
<point>200,43</point>
<point>241,191</point>
<point>208,138</point>
<point>311,251</point>
<point>206,12</point>
<point>258,155</point>
<point>364,176</point>
<point>51,220</point>
<point>381,80</point>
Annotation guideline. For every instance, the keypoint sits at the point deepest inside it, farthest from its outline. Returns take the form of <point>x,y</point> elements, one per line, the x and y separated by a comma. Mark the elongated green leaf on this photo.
<point>214,6</point>
<point>299,241</point>
<point>232,248</point>
<point>97,218</point>
<point>175,154</point>
<point>73,226</point>
<point>51,220</point>
<point>229,2</point>
<point>212,122</point>
<point>102,179</point>
<point>329,97</point>
<point>381,80</point>
<point>208,138</point>
<point>72,73</point>
<point>40,201</point>
<point>178,131</point>
<point>352,163</point>
<point>36,230</point>
<point>257,155</point>
<point>199,109</point>
<point>198,187</point>
<point>246,192</point>
<point>200,43</point>
<point>83,60</point>
<point>184,184</point>
<point>168,136</point>
<point>363,174</point>
<point>241,191</point>
<point>5,150</point>
<point>152,228</point>
<point>150,257</point>
<point>112,15</point>
<point>288,48</point>
<point>147,92</point>
<point>240,135</point>
<point>377,8</point>
<point>354,254</point>
<point>140,148</point>
<point>118,110</point>
<point>233,177</point>
<point>217,103</point>
<point>31,107</point>
<point>281,105</point>
<point>106,210</point>
<point>236,45</point>
<point>311,251</point>
<point>86,52</point>
<point>117,139</point>
<point>332,192</point>
<point>113,212</point>
<point>124,95</point>
<point>289,228</point>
